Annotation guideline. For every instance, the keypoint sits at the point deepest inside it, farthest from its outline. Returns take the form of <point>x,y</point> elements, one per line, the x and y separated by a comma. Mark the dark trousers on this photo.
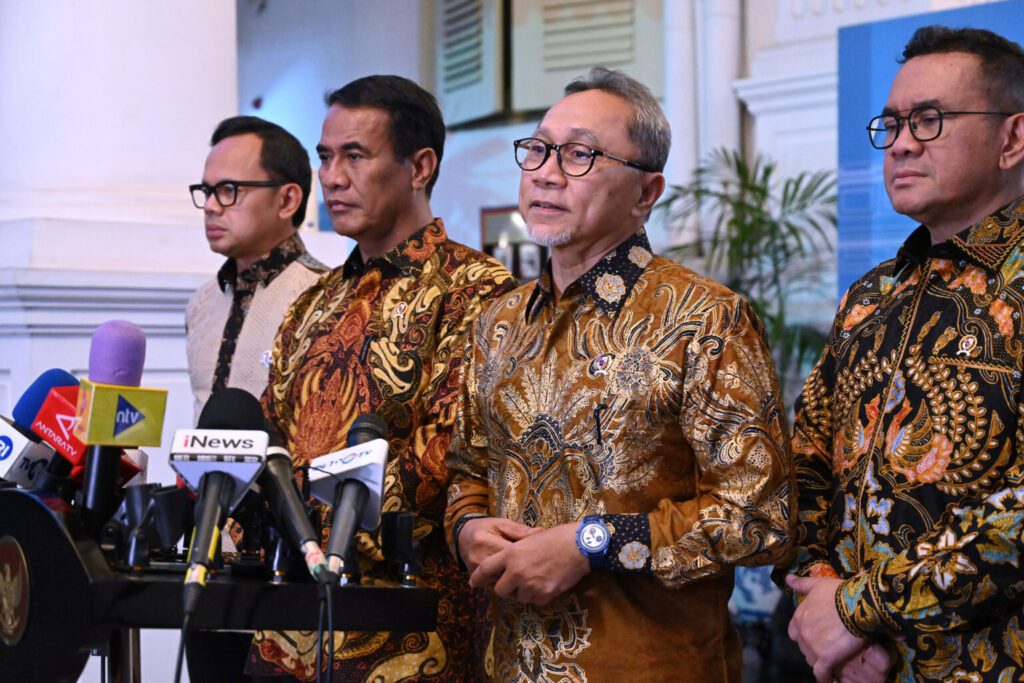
<point>217,656</point>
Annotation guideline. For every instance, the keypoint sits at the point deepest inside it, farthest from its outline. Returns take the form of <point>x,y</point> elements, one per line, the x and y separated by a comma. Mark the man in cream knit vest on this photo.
<point>255,186</point>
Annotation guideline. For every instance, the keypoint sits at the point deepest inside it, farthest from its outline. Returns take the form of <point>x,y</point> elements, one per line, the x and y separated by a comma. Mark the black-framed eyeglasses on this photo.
<point>925,124</point>
<point>574,158</point>
<point>226,191</point>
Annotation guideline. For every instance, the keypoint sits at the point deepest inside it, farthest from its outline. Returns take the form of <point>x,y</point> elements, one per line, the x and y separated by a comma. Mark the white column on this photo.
<point>105,118</point>
<point>681,89</point>
<point>108,105</point>
<point>720,48</point>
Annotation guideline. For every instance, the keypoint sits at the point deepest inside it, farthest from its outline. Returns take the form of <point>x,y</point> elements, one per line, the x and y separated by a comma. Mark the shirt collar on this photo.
<point>608,283</point>
<point>263,271</point>
<point>407,258</point>
<point>987,243</point>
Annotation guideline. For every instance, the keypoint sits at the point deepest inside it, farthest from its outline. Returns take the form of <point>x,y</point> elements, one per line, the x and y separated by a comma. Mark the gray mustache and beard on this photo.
<point>549,239</point>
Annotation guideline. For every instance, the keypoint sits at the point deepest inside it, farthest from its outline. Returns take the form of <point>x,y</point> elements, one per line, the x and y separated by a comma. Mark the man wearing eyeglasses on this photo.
<point>253,194</point>
<point>621,444</point>
<point>255,187</point>
<point>909,431</point>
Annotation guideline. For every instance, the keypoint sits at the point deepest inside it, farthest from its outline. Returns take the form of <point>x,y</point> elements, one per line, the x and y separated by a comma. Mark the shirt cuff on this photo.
<point>861,607</point>
<point>629,549</point>
<point>457,529</point>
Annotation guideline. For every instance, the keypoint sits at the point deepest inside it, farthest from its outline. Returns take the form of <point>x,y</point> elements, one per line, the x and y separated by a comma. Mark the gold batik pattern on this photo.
<point>385,336</point>
<point>645,394</point>
<point>907,443</point>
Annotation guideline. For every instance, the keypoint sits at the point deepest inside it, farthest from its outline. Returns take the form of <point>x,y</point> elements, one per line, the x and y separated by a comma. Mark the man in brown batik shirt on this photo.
<point>621,442</point>
<point>384,333</point>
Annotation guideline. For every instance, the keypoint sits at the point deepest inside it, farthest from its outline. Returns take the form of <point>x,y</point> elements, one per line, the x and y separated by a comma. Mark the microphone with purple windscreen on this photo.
<point>114,414</point>
<point>117,354</point>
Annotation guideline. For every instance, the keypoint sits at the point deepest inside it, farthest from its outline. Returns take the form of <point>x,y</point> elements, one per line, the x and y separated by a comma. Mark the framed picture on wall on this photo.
<point>503,235</point>
<point>530,261</point>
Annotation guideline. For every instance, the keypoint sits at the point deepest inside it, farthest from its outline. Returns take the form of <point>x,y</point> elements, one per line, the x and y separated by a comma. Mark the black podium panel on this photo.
<point>55,612</point>
<point>59,598</point>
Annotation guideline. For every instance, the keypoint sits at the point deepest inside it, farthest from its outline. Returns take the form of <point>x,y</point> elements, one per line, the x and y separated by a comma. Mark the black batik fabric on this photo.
<point>243,285</point>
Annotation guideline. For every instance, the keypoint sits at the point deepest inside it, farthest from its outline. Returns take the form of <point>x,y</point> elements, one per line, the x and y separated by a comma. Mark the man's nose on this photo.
<point>550,172</point>
<point>905,142</point>
<point>333,174</point>
<point>212,204</point>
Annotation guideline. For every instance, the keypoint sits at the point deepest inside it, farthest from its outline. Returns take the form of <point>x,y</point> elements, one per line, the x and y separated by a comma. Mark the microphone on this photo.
<point>278,482</point>
<point>112,409</point>
<point>55,420</point>
<point>54,424</point>
<point>24,458</point>
<point>113,412</point>
<point>221,458</point>
<point>352,481</point>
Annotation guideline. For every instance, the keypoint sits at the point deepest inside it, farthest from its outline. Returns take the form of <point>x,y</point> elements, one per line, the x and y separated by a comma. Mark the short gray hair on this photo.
<point>649,128</point>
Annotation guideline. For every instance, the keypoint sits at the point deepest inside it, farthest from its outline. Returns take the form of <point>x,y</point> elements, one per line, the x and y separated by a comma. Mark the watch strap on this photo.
<point>595,557</point>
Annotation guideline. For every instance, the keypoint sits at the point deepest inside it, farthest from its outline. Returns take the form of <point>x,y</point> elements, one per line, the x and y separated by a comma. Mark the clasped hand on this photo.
<point>833,652</point>
<point>517,562</point>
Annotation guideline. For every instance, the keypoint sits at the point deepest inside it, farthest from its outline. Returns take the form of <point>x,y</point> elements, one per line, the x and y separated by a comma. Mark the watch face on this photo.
<point>594,536</point>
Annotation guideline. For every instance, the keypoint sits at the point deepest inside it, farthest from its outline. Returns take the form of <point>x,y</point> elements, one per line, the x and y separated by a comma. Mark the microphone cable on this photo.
<point>325,606</point>
<point>320,640</point>
<point>195,582</point>
<point>181,647</point>
<point>330,631</point>
<point>326,582</point>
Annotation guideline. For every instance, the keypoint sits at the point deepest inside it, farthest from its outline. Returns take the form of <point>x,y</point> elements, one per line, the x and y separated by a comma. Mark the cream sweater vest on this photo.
<point>208,311</point>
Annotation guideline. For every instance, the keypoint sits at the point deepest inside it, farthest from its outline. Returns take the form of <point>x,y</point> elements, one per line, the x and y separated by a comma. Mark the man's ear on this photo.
<point>651,187</point>
<point>424,165</point>
<point>1012,154</point>
<point>290,199</point>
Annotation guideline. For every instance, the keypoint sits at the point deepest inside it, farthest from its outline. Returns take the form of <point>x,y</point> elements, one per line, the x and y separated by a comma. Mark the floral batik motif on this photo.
<point>907,442</point>
<point>385,337</point>
<point>644,394</point>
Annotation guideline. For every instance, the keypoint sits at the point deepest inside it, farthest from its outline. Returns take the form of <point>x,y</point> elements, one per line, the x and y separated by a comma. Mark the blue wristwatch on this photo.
<point>593,538</point>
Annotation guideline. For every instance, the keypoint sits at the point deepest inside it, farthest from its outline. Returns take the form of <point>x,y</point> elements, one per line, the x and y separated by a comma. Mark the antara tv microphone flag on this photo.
<point>113,413</point>
<point>220,459</point>
<point>352,481</point>
<point>56,422</point>
<point>23,458</point>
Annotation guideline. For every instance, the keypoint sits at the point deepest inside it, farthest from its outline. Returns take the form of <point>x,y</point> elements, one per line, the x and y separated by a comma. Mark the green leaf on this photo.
<point>764,237</point>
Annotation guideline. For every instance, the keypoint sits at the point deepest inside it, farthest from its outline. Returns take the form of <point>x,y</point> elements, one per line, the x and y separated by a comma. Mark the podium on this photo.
<point>60,599</point>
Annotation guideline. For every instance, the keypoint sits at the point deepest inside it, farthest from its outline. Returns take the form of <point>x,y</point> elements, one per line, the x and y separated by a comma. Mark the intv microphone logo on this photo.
<point>6,447</point>
<point>127,416</point>
<point>113,415</point>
